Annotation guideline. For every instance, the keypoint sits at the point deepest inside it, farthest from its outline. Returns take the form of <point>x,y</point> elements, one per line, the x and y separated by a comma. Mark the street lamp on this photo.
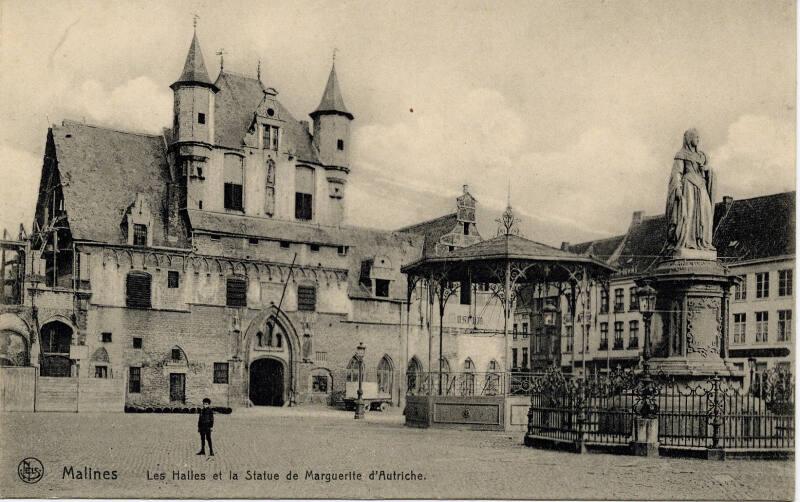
<point>360,351</point>
<point>549,313</point>
<point>648,407</point>
<point>647,305</point>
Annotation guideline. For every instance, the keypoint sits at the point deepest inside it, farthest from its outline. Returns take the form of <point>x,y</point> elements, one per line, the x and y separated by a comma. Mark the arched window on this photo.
<point>260,339</point>
<point>492,386</point>
<point>352,370</point>
<point>137,290</point>
<point>100,362</point>
<point>385,375</point>
<point>469,378</point>
<point>13,349</point>
<point>321,381</point>
<point>56,339</point>
<point>414,376</point>
<point>278,340</point>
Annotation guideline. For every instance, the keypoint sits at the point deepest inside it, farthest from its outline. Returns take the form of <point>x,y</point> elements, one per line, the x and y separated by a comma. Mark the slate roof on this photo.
<point>332,101</point>
<point>194,69</point>
<point>101,172</point>
<point>432,231</point>
<point>235,105</point>
<point>747,229</point>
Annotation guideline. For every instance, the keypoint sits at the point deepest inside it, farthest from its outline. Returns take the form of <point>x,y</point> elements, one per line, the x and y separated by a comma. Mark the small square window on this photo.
<point>285,244</point>
<point>137,342</point>
<point>173,279</point>
<point>220,372</point>
<point>201,118</point>
<point>106,337</point>
<point>252,241</point>
<point>176,354</point>
<point>342,250</point>
<point>382,288</point>
<point>101,371</point>
<point>340,144</point>
<point>215,237</point>
<point>314,247</point>
<point>139,235</point>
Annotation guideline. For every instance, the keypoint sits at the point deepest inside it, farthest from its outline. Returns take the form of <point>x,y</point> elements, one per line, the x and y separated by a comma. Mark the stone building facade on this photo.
<point>213,260</point>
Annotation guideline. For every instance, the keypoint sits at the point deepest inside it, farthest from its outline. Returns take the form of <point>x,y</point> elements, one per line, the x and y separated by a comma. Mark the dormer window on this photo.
<point>271,137</point>
<point>139,235</point>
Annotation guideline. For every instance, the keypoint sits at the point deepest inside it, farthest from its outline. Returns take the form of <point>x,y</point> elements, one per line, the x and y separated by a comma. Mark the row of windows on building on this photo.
<point>138,291</point>
<point>785,285</point>
<point>784,325</point>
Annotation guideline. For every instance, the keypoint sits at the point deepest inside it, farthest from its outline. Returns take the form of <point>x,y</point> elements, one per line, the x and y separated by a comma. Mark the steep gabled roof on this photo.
<point>748,229</point>
<point>235,106</point>
<point>432,231</point>
<point>756,228</point>
<point>194,69</point>
<point>332,101</point>
<point>101,172</point>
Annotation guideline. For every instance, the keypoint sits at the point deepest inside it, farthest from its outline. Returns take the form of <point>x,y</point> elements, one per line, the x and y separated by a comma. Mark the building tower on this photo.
<point>332,141</point>
<point>193,123</point>
<point>332,125</point>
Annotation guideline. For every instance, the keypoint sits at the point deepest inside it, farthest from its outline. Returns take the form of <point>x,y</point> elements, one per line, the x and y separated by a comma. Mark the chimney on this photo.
<point>637,217</point>
<point>564,245</point>
<point>727,200</point>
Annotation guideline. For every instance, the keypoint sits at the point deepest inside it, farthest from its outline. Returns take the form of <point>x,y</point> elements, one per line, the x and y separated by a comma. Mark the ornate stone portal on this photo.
<point>689,333</point>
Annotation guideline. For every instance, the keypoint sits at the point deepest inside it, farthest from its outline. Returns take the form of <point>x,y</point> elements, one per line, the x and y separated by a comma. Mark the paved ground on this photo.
<point>453,464</point>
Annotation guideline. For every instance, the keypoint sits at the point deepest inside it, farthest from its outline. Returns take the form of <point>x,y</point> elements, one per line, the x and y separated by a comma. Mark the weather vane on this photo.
<point>221,53</point>
<point>194,21</point>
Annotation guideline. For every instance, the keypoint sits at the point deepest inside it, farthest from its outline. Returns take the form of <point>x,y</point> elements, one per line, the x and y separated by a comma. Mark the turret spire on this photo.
<point>194,69</point>
<point>332,102</point>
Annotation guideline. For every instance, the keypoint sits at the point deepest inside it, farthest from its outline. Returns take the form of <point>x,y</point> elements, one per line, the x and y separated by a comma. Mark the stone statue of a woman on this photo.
<point>690,206</point>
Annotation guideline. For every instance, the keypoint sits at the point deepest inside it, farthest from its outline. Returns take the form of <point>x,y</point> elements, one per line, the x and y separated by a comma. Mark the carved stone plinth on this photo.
<point>690,329</point>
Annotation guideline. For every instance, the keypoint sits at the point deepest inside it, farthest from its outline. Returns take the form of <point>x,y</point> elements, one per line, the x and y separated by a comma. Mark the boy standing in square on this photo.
<point>204,425</point>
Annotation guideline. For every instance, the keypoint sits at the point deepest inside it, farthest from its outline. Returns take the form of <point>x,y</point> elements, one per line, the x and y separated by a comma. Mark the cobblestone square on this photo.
<point>329,452</point>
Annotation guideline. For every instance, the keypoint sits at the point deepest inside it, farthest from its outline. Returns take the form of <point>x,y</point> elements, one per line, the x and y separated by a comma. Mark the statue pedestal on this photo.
<point>690,330</point>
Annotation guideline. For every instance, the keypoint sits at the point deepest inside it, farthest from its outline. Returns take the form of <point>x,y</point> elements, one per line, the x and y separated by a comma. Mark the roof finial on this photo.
<point>335,50</point>
<point>194,21</point>
<point>221,53</point>
<point>508,197</point>
<point>258,70</point>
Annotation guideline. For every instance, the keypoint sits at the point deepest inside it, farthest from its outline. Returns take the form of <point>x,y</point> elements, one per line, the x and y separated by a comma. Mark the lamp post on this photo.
<point>549,313</point>
<point>647,304</point>
<point>360,351</point>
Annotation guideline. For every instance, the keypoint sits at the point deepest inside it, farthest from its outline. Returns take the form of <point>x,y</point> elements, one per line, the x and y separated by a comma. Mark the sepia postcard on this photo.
<point>398,250</point>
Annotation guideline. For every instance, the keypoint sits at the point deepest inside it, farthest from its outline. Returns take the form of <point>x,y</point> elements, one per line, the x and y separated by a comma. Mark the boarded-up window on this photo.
<point>304,193</point>
<point>134,380</point>
<point>306,298</point>
<point>137,290</point>
<point>234,179</point>
<point>236,292</point>
<point>220,372</point>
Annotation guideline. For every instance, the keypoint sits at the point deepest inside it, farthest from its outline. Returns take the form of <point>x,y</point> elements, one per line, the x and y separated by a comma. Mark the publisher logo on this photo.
<point>30,470</point>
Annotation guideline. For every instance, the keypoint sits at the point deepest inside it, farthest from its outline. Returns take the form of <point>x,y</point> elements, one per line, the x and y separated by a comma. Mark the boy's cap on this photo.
<point>207,400</point>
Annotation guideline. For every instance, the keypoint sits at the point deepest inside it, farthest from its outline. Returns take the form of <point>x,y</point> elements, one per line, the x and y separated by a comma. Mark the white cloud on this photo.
<point>137,104</point>
<point>758,157</point>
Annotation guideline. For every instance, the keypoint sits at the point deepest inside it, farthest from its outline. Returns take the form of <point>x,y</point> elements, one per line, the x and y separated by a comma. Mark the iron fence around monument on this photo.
<point>710,414</point>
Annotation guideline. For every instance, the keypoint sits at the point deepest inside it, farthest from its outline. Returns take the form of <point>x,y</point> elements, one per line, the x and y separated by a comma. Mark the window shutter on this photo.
<point>236,292</point>
<point>306,298</point>
<point>138,290</point>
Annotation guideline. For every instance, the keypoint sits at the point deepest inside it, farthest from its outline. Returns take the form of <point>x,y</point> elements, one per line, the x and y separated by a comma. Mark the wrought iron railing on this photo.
<point>713,413</point>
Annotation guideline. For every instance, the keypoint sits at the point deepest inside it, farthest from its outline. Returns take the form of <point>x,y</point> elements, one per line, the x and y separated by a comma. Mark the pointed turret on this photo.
<point>332,102</point>
<point>194,69</point>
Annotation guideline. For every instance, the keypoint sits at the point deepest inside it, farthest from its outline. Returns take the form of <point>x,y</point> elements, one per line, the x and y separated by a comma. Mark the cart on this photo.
<point>373,400</point>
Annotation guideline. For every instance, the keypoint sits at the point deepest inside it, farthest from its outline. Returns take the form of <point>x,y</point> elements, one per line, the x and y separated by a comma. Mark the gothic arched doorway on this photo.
<point>267,379</point>
<point>56,338</point>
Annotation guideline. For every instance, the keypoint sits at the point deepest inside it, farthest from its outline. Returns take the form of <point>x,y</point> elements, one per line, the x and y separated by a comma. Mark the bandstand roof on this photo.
<point>480,261</point>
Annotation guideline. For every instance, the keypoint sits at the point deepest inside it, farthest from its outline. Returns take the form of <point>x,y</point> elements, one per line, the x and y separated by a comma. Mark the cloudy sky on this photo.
<point>578,106</point>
